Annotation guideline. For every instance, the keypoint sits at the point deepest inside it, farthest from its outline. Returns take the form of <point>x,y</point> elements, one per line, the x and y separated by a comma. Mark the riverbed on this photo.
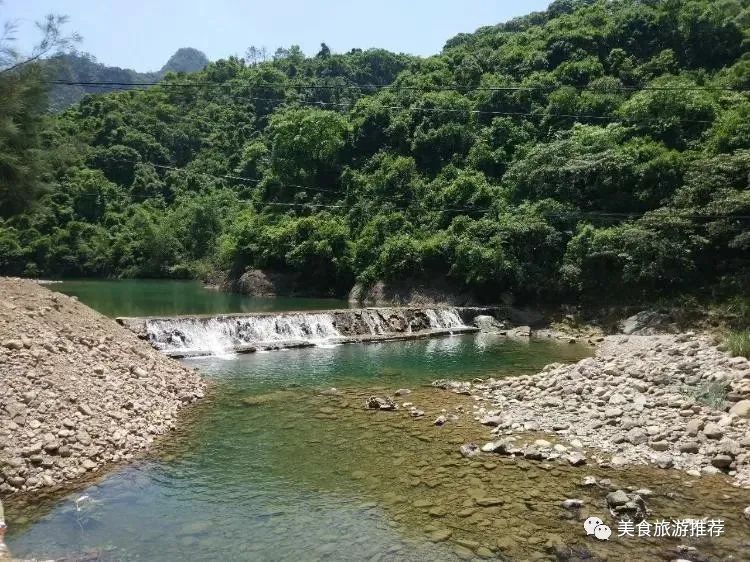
<point>275,465</point>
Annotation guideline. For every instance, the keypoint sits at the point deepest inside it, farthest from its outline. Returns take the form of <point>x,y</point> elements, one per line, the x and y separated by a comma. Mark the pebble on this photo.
<point>59,400</point>
<point>630,401</point>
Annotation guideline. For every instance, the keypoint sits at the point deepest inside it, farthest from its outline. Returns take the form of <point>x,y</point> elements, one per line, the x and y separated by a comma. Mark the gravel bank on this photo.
<point>77,391</point>
<point>671,400</point>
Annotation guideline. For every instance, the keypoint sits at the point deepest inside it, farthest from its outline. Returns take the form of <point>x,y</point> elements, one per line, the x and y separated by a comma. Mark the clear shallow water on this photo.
<point>147,297</point>
<point>268,468</point>
<point>257,476</point>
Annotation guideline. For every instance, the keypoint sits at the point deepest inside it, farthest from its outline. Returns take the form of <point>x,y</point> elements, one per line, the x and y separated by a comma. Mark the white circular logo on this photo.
<point>595,526</point>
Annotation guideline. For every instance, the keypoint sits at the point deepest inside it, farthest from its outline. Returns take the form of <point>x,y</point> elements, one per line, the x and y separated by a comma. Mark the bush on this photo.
<point>739,343</point>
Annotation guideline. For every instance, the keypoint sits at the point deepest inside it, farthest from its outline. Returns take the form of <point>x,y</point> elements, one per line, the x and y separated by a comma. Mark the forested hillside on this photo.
<point>601,148</point>
<point>77,69</point>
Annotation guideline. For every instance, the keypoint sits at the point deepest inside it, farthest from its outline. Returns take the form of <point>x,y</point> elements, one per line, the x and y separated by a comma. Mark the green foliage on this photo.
<point>619,169</point>
<point>739,343</point>
<point>712,394</point>
<point>22,105</point>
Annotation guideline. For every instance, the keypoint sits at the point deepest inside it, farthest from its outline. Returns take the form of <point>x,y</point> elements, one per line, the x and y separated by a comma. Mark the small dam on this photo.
<point>228,334</point>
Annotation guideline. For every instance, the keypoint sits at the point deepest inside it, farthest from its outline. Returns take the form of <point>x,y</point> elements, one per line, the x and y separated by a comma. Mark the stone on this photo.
<point>619,461</point>
<point>469,450</point>
<point>380,403</point>
<point>659,445</point>
<point>402,392</point>
<point>713,431</point>
<point>746,513</point>
<point>664,461</point>
<point>741,409</point>
<point>637,436</point>
<point>694,426</point>
<point>617,498</point>
<point>440,420</point>
<point>440,535</point>
<point>492,421</point>
<point>52,447</point>
<point>534,453</point>
<point>691,447</point>
<point>85,409</point>
<point>501,447</point>
<point>572,504</point>
<point>589,481</point>
<point>576,459</point>
<point>722,462</point>
<point>613,413</point>
<point>489,502</point>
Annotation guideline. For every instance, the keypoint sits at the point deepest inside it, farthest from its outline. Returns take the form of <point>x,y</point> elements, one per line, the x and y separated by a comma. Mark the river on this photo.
<point>276,466</point>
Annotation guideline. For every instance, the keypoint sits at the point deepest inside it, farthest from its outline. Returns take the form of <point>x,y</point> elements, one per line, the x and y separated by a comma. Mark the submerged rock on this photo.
<point>469,449</point>
<point>623,505</point>
<point>380,403</point>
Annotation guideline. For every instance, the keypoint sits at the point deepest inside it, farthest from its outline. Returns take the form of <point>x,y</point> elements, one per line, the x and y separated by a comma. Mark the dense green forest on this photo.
<point>75,70</point>
<point>599,148</point>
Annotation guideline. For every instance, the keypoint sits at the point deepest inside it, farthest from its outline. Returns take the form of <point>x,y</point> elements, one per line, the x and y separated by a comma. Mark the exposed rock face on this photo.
<point>257,283</point>
<point>670,400</point>
<point>646,323</point>
<point>79,392</point>
<point>410,293</point>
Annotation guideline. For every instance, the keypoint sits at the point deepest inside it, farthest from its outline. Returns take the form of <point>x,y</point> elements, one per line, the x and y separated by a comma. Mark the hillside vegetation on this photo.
<point>600,148</point>
<point>77,68</point>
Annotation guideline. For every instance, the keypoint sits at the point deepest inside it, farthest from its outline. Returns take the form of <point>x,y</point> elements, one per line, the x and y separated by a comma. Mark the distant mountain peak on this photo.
<point>185,59</point>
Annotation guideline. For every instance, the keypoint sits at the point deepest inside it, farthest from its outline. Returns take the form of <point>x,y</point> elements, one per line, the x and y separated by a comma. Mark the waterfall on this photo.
<point>444,318</point>
<point>225,335</point>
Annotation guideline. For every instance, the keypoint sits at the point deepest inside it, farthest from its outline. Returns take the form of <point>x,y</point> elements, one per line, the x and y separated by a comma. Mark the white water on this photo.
<point>221,336</point>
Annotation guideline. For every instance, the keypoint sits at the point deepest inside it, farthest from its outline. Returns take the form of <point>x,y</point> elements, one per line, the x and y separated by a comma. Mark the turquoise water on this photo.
<point>268,481</point>
<point>273,466</point>
<point>139,297</point>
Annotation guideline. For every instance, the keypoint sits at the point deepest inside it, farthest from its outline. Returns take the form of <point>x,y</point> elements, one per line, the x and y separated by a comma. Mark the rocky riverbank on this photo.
<point>77,391</point>
<point>668,400</point>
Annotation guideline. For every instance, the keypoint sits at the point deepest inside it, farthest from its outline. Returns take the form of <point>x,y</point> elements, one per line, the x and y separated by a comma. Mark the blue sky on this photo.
<point>142,34</point>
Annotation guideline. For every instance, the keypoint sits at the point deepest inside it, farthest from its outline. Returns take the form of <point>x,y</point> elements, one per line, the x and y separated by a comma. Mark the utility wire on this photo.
<point>394,87</point>
<point>611,215</point>
<point>478,111</point>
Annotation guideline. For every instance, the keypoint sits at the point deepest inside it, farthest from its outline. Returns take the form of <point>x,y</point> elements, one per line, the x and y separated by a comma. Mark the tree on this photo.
<point>325,51</point>
<point>22,106</point>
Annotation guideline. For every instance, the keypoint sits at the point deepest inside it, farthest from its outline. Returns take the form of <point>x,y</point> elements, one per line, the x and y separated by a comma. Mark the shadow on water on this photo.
<point>152,297</point>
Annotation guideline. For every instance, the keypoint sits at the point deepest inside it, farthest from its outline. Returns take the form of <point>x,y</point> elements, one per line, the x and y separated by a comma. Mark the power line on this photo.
<point>227,176</point>
<point>392,87</point>
<point>348,106</point>
<point>659,214</point>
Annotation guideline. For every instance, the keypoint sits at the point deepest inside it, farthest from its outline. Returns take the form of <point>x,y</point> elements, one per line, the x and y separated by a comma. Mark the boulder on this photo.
<point>741,409</point>
<point>645,322</point>
<point>713,431</point>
